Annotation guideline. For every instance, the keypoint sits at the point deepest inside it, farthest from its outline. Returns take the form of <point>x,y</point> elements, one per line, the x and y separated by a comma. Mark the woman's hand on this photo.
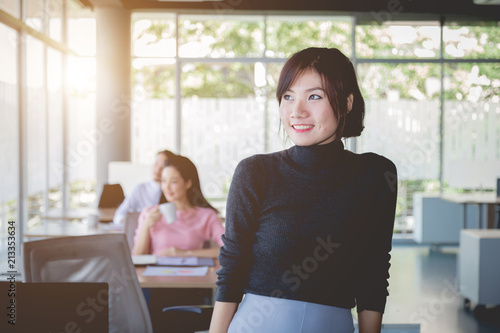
<point>173,252</point>
<point>152,217</point>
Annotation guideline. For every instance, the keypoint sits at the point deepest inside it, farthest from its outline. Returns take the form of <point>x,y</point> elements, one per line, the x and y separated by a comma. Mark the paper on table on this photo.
<point>184,261</point>
<point>144,259</point>
<point>175,271</point>
<point>177,261</point>
<point>113,227</point>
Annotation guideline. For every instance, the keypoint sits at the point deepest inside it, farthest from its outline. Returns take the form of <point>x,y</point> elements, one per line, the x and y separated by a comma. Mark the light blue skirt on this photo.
<point>264,314</point>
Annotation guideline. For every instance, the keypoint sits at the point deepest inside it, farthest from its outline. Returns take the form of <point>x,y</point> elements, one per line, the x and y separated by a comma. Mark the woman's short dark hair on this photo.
<point>339,81</point>
<point>188,171</point>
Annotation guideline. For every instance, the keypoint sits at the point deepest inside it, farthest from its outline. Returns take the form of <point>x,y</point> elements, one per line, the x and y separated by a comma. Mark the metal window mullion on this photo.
<point>441,107</point>
<point>178,112</point>
<point>46,125</point>
<point>65,111</point>
<point>22,207</point>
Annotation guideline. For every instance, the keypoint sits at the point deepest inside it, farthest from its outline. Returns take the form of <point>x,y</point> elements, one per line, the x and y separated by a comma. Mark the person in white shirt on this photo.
<point>145,194</point>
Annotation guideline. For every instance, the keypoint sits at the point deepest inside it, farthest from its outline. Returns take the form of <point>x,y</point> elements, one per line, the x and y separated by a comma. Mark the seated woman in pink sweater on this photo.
<point>196,222</point>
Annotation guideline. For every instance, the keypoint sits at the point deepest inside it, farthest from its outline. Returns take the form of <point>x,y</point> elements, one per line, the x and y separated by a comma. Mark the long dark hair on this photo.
<point>339,81</point>
<point>188,171</point>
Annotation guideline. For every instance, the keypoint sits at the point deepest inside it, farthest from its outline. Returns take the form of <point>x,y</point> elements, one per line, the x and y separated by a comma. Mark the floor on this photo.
<point>422,290</point>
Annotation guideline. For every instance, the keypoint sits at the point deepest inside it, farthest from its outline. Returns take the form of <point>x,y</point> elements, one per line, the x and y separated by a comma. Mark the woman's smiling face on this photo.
<point>306,113</point>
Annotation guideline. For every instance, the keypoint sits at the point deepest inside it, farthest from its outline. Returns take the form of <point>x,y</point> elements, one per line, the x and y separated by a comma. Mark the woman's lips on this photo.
<point>302,128</point>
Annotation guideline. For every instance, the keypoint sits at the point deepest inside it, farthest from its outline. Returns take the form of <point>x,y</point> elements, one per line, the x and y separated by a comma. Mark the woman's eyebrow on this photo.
<point>307,90</point>
<point>315,88</point>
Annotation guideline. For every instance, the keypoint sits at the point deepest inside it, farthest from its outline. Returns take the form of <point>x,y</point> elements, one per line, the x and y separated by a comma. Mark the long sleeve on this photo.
<point>142,196</point>
<point>242,212</point>
<point>372,283</point>
<point>140,224</point>
<point>126,206</point>
<point>216,230</point>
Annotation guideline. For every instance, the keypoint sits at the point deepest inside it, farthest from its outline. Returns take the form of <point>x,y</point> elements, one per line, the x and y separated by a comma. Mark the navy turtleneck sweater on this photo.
<point>312,224</point>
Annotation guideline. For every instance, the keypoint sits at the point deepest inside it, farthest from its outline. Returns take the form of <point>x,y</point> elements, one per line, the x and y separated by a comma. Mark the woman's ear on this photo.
<point>189,183</point>
<point>350,98</point>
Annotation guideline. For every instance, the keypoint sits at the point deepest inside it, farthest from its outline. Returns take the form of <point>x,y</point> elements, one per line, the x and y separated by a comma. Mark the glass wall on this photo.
<point>36,127</point>
<point>9,136</point>
<point>55,128</point>
<point>471,127</point>
<point>11,7</point>
<point>228,68</point>
<point>402,124</point>
<point>81,88</point>
<point>37,112</point>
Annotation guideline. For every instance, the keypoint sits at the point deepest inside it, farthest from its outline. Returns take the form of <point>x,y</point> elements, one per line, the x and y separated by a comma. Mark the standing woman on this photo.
<point>196,222</point>
<point>309,229</point>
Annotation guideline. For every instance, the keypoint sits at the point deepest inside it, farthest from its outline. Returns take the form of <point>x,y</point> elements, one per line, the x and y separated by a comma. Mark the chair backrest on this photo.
<point>94,258</point>
<point>131,222</point>
<point>112,196</point>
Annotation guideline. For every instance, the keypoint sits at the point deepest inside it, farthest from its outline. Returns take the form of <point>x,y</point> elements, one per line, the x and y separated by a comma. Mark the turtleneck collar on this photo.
<point>317,156</point>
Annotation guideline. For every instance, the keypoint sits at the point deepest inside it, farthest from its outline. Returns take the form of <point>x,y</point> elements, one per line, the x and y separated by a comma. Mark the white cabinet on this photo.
<point>479,266</point>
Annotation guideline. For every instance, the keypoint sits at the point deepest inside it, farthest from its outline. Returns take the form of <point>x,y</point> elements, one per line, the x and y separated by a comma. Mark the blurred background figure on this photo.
<point>145,194</point>
<point>196,220</point>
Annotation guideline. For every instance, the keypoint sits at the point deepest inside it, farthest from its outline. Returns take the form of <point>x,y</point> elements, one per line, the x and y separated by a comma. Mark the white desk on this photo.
<point>105,214</point>
<point>479,199</point>
<point>62,228</point>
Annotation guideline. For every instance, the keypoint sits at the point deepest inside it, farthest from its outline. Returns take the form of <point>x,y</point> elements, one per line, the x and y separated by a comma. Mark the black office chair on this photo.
<point>112,196</point>
<point>106,258</point>
<point>50,306</point>
<point>130,225</point>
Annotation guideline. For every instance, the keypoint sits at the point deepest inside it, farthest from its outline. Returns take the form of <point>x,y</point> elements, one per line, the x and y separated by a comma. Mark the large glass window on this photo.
<point>228,69</point>
<point>81,156</point>
<point>471,126</point>
<point>221,123</point>
<point>402,124</point>
<point>153,35</point>
<point>81,29</point>
<point>11,7</point>
<point>55,128</point>
<point>35,14</point>
<point>36,127</point>
<point>153,112</point>
<point>9,137</point>
<point>30,189</point>
<point>55,16</point>
<point>206,36</point>
<point>398,40</point>
<point>471,40</point>
<point>289,34</point>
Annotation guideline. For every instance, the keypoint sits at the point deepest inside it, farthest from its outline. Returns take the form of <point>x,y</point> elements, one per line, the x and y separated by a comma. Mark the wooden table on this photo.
<point>105,214</point>
<point>207,281</point>
<point>480,199</point>
<point>166,291</point>
<point>64,228</point>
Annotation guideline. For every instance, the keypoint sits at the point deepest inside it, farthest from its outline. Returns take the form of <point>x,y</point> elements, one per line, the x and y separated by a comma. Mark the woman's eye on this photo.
<point>313,97</point>
<point>287,97</point>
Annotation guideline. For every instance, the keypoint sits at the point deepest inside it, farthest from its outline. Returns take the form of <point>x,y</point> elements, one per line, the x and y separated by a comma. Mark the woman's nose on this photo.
<point>298,109</point>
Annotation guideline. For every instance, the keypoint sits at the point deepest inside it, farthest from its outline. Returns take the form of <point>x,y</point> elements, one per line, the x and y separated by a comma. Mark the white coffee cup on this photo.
<point>93,220</point>
<point>168,210</point>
